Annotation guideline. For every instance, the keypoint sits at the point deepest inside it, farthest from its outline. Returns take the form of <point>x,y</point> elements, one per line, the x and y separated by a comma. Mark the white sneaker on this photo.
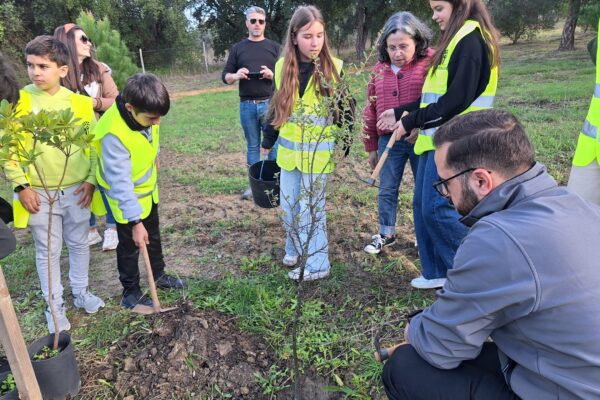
<point>61,314</point>
<point>111,239</point>
<point>89,302</point>
<point>308,275</point>
<point>378,243</point>
<point>94,237</point>
<point>290,261</point>
<point>422,283</point>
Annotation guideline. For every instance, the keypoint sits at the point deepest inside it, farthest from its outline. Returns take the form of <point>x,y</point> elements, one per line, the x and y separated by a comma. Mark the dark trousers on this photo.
<point>408,376</point>
<point>128,253</point>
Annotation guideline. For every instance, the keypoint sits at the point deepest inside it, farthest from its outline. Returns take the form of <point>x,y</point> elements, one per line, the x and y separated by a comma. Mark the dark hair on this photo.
<point>146,93</point>
<point>9,86</point>
<point>47,46</point>
<point>89,69</point>
<point>462,10</point>
<point>410,25</point>
<point>492,139</point>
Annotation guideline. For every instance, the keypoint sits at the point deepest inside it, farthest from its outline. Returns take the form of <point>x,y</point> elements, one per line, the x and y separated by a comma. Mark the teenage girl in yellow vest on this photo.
<point>302,122</point>
<point>462,78</point>
<point>585,172</point>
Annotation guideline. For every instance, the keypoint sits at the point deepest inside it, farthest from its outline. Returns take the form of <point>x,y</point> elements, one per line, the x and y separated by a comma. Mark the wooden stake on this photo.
<point>14,347</point>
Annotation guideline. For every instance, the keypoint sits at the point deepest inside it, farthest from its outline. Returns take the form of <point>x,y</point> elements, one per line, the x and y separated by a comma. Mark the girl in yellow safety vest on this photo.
<point>304,119</point>
<point>462,78</point>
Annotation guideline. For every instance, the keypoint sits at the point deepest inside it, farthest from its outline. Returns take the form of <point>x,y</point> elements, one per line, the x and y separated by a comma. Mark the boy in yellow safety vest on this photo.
<point>127,140</point>
<point>47,63</point>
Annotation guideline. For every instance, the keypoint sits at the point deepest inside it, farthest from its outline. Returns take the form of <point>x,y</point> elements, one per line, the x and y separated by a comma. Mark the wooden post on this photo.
<point>205,56</point>
<point>142,61</point>
<point>14,347</point>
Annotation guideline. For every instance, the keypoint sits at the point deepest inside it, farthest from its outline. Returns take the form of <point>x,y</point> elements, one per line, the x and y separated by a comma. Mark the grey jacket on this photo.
<point>528,276</point>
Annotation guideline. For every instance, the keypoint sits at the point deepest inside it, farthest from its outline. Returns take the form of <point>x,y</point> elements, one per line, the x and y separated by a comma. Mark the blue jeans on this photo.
<point>110,219</point>
<point>437,226</point>
<point>296,198</point>
<point>390,178</point>
<point>252,118</point>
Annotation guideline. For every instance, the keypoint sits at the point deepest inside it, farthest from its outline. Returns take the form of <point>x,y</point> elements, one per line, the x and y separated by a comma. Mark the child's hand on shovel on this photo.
<point>140,235</point>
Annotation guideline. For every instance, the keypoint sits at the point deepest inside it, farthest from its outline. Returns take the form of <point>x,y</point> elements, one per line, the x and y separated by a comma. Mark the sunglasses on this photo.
<point>84,39</point>
<point>254,20</point>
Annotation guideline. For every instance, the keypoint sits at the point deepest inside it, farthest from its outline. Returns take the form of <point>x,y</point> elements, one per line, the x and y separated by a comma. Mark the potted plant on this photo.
<point>56,371</point>
<point>8,386</point>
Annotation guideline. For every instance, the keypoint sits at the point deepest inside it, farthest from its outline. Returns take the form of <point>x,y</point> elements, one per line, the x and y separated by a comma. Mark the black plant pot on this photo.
<point>4,371</point>
<point>57,376</point>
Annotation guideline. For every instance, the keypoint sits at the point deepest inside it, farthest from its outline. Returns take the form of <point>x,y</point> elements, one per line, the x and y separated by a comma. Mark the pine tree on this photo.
<point>109,47</point>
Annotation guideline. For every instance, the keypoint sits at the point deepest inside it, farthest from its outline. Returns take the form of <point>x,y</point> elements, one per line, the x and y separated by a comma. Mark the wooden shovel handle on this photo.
<point>151,283</point>
<point>386,352</point>
<point>384,156</point>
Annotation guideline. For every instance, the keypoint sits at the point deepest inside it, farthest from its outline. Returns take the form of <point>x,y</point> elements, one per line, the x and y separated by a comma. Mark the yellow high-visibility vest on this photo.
<point>436,85</point>
<point>143,161</point>
<point>588,143</point>
<point>306,140</point>
<point>80,106</point>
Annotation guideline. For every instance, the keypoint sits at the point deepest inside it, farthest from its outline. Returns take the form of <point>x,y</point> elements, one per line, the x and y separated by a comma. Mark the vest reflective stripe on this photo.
<point>590,130</point>
<point>144,175</point>
<point>588,143</point>
<point>482,101</point>
<point>80,106</point>
<point>310,119</point>
<point>306,146</point>
<point>306,141</point>
<point>436,85</point>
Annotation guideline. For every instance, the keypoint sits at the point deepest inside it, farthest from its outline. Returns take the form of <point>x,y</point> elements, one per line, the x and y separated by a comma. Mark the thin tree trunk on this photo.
<point>361,34</point>
<point>567,40</point>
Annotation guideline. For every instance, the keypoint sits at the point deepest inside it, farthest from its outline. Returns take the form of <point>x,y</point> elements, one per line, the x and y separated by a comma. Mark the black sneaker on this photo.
<point>170,282</point>
<point>132,299</point>
<point>378,243</point>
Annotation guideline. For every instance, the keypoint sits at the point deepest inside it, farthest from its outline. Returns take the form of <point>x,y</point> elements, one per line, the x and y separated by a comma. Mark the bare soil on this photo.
<point>188,353</point>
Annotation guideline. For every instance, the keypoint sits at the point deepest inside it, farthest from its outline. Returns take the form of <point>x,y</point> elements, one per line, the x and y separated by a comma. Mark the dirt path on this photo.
<point>188,93</point>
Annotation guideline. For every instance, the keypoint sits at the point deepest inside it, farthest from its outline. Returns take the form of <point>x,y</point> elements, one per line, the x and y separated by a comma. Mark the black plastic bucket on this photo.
<point>57,376</point>
<point>264,182</point>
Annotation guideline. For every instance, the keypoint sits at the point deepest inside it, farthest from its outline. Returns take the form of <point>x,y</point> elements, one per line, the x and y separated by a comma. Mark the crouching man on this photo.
<point>526,276</point>
<point>127,141</point>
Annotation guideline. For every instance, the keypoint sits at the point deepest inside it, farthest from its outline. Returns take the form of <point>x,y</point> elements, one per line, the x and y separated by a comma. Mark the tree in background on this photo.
<point>518,19</point>
<point>589,15</point>
<point>109,47</point>
<point>13,34</point>
<point>567,39</point>
<point>225,20</point>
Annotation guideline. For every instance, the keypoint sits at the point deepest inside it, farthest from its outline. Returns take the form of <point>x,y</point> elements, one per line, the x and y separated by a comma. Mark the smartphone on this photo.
<point>254,75</point>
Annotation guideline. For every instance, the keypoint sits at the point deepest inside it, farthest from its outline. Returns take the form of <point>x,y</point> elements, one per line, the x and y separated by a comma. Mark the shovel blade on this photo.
<point>148,310</point>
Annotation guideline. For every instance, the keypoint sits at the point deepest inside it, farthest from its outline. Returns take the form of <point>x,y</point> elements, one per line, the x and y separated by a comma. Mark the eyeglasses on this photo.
<point>442,186</point>
<point>84,39</point>
<point>255,20</point>
<point>393,49</point>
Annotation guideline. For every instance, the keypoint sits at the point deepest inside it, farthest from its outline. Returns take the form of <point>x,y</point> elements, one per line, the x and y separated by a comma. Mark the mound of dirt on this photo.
<point>187,354</point>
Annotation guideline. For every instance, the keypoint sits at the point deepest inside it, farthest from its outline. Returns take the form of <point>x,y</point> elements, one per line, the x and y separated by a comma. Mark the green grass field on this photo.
<point>202,139</point>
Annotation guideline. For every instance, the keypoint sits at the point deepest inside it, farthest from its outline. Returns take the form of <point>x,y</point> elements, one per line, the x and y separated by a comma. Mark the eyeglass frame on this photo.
<point>255,20</point>
<point>443,182</point>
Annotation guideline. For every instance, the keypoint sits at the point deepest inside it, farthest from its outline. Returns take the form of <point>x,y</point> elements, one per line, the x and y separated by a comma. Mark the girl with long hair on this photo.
<point>304,118</point>
<point>462,78</point>
<point>92,78</point>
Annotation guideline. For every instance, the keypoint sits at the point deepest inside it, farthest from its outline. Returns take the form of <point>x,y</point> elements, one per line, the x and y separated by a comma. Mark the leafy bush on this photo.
<point>518,19</point>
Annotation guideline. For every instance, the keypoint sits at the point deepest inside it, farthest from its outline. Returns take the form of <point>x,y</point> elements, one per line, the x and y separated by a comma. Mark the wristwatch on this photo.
<point>134,222</point>
<point>21,187</point>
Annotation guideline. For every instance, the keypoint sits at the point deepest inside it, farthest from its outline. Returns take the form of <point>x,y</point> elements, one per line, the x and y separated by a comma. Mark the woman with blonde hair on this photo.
<point>304,120</point>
